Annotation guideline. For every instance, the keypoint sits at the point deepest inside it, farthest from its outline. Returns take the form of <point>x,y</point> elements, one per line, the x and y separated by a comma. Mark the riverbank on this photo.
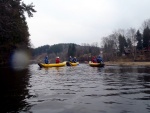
<point>128,63</point>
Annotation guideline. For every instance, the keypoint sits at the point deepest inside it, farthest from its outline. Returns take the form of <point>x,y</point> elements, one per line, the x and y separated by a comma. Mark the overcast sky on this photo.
<point>83,21</point>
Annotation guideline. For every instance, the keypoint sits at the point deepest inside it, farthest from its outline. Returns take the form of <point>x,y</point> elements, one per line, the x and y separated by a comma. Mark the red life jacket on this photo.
<point>57,60</point>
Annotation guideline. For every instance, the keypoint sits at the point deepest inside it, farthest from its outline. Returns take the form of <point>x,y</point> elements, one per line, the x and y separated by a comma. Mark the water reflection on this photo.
<point>14,90</point>
<point>127,69</point>
<point>128,81</point>
<point>52,70</point>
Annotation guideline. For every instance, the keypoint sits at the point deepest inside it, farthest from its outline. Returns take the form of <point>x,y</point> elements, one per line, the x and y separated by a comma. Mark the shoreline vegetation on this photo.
<point>122,63</point>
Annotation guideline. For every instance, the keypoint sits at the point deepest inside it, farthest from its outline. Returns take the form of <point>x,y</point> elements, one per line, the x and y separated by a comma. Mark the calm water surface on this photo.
<point>80,89</point>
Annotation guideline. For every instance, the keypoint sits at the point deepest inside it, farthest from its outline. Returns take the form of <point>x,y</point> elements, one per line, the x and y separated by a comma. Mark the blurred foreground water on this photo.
<point>80,89</point>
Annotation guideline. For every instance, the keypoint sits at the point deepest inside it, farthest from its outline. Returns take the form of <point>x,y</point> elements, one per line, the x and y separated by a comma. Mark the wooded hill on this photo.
<point>64,50</point>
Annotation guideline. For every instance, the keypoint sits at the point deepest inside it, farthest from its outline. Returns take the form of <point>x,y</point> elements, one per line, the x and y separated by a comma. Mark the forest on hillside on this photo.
<point>82,52</point>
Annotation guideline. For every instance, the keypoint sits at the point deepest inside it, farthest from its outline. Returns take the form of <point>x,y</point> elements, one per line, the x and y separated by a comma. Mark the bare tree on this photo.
<point>131,34</point>
<point>109,44</point>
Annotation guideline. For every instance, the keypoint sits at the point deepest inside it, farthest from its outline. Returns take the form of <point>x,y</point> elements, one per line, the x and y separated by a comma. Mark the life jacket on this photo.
<point>57,60</point>
<point>46,60</point>
<point>93,59</point>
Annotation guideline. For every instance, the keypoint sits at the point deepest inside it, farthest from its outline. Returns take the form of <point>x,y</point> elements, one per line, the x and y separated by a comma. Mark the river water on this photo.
<point>80,89</point>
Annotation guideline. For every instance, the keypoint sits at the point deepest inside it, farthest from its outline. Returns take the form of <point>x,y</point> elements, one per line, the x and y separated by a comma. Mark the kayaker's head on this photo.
<point>70,56</point>
<point>57,57</point>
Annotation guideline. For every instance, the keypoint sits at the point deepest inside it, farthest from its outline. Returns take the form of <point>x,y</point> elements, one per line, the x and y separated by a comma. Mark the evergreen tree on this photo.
<point>14,29</point>
<point>122,44</point>
<point>146,37</point>
<point>71,50</point>
<point>139,39</point>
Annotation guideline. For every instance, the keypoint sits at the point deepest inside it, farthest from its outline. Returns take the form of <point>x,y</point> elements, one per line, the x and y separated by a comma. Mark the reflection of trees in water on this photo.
<point>14,90</point>
<point>126,76</point>
<point>127,69</point>
<point>145,77</point>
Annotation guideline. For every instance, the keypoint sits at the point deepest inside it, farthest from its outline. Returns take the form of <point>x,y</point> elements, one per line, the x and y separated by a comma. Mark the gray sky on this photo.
<point>83,21</point>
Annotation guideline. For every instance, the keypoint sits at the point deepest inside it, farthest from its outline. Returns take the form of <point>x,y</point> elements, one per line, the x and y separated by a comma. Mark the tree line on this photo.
<point>131,43</point>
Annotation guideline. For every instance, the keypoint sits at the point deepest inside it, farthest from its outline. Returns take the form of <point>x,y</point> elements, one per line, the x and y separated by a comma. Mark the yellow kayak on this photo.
<point>96,64</point>
<point>72,64</point>
<point>52,64</point>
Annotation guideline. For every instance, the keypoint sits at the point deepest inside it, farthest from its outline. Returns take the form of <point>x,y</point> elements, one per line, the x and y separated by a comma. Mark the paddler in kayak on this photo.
<point>99,59</point>
<point>94,60</point>
<point>70,59</point>
<point>46,60</point>
<point>74,60</point>
<point>57,60</point>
